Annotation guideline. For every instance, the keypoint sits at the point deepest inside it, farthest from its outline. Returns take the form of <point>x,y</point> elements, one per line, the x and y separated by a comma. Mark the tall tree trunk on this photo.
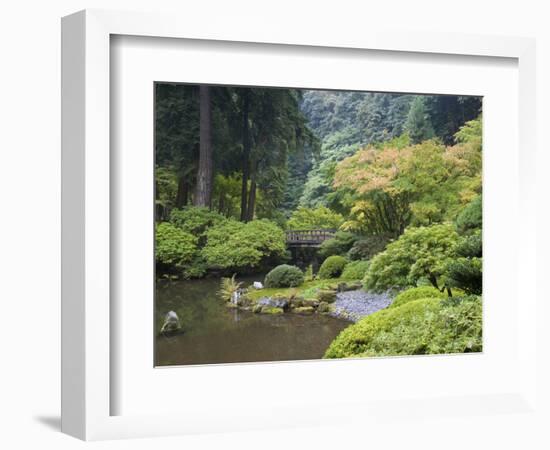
<point>158,207</point>
<point>251,198</point>
<point>203,191</point>
<point>182,196</point>
<point>246,155</point>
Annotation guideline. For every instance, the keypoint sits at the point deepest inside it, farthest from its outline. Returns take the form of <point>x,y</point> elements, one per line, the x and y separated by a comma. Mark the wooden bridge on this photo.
<point>308,238</point>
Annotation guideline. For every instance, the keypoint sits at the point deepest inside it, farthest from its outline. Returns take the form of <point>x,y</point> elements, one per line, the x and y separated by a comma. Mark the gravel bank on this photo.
<point>354,305</point>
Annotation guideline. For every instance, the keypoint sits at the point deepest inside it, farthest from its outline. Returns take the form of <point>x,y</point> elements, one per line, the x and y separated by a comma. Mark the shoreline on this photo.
<point>354,305</point>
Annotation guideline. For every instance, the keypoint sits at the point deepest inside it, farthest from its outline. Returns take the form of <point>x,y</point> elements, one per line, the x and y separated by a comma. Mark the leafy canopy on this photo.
<point>420,253</point>
<point>314,218</point>
<point>389,186</point>
<point>195,219</point>
<point>237,245</point>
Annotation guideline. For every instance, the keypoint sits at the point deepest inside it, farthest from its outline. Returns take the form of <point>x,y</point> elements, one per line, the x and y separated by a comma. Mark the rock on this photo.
<point>313,302</point>
<point>323,307</point>
<point>171,323</point>
<point>325,295</point>
<point>258,285</point>
<point>244,301</point>
<point>277,301</point>
<point>271,310</point>
<point>304,310</point>
<point>296,302</point>
<point>257,309</point>
<point>235,297</point>
<point>345,287</point>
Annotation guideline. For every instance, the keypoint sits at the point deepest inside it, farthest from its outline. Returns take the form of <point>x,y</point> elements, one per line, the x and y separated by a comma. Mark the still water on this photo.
<point>217,334</point>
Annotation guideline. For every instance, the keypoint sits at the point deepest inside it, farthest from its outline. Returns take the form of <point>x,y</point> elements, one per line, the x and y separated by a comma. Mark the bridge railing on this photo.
<point>308,237</point>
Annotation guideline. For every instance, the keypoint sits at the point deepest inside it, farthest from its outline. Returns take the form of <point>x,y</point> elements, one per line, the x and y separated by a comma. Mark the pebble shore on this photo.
<point>354,305</point>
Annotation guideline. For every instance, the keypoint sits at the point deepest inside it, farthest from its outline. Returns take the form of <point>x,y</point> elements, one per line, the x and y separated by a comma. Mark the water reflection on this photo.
<point>217,334</point>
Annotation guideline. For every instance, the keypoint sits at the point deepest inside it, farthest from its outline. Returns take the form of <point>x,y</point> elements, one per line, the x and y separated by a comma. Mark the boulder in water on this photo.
<point>171,323</point>
<point>313,302</point>
<point>275,302</point>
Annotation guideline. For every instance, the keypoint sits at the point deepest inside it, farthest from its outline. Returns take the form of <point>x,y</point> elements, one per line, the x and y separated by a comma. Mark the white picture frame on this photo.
<point>88,357</point>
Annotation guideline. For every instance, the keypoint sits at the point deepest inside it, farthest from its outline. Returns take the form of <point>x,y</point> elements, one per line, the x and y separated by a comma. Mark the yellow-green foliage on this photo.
<point>174,246</point>
<point>423,326</point>
<point>355,270</point>
<point>271,310</point>
<point>416,293</point>
<point>420,184</point>
<point>235,245</point>
<point>332,267</point>
<point>420,252</point>
<point>314,218</point>
<point>308,289</point>
<point>228,287</point>
<point>195,219</point>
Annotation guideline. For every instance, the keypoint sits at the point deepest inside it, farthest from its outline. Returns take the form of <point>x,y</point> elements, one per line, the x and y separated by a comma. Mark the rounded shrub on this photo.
<point>238,246</point>
<point>173,246</point>
<point>416,293</point>
<point>332,267</point>
<point>355,270</point>
<point>423,326</point>
<point>284,276</point>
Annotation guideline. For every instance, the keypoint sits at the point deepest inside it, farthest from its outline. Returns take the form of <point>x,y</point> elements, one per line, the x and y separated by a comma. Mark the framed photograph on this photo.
<point>251,219</point>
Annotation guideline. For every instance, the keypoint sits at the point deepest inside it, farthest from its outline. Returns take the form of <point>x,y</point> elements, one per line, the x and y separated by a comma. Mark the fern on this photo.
<point>228,287</point>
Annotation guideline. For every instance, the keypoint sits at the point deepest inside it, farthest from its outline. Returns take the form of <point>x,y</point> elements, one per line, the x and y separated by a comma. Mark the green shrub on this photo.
<point>470,246</point>
<point>314,218</point>
<point>338,245</point>
<point>419,253</point>
<point>237,245</point>
<point>466,274</point>
<point>466,271</point>
<point>471,217</point>
<point>284,276</point>
<point>228,288</point>
<point>368,247</point>
<point>423,326</point>
<point>196,269</point>
<point>195,219</point>
<point>173,246</point>
<point>332,267</point>
<point>355,270</point>
<point>416,293</point>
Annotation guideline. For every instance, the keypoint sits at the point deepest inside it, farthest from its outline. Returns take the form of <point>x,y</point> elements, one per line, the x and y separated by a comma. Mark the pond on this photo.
<point>217,334</point>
